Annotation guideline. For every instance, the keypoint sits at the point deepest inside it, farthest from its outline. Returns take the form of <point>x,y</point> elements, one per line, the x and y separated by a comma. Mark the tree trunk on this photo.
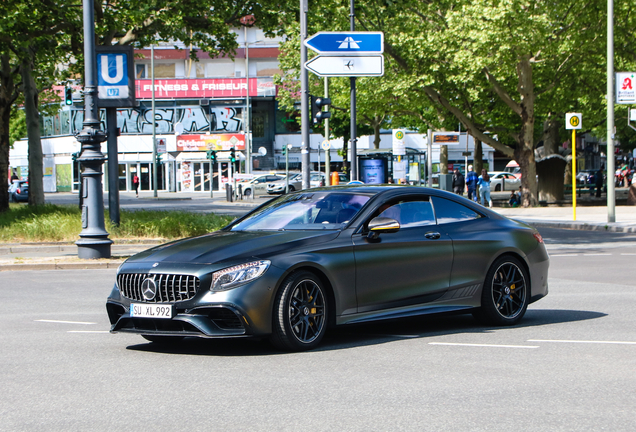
<point>376,132</point>
<point>524,153</point>
<point>6,90</point>
<point>478,157</point>
<point>443,159</point>
<point>550,136</point>
<point>36,187</point>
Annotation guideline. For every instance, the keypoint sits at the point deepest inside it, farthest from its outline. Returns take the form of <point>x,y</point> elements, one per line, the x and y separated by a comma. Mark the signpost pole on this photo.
<point>354,129</point>
<point>328,149</point>
<point>154,123</point>
<point>113,166</point>
<point>304,96</point>
<point>573,174</point>
<point>611,199</point>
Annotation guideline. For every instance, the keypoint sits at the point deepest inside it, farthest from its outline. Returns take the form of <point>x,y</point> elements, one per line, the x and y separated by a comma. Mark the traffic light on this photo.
<point>284,149</point>
<point>317,114</point>
<point>232,155</point>
<point>212,155</point>
<point>158,158</point>
<point>68,96</point>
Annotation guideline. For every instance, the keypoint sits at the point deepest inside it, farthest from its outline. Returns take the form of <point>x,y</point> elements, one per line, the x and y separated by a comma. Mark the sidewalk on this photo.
<point>64,256</point>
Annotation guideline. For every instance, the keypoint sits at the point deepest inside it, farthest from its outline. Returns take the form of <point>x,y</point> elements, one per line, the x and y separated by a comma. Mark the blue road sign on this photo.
<point>346,42</point>
<point>112,76</point>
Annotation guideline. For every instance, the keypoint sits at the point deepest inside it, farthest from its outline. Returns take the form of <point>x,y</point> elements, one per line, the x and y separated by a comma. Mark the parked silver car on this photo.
<point>504,181</point>
<point>278,187</point>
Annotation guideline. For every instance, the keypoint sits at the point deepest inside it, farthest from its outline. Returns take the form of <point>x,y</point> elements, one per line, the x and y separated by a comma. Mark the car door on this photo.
<point>408,267</point>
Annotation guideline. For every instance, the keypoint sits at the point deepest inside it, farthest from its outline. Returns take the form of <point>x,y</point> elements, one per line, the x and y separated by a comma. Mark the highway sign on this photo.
<point>346,42</point>
<point>346,66</point>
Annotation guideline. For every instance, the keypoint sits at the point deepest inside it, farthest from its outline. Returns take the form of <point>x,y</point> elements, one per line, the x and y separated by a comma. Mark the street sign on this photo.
<point>625,88</point>
<point>399,148</point>
<point>346,42</point>
<point>326,145</point>
<point>349,66</point>
<point>446,138</point>
<point>115,77</point>
<point>573,121</point>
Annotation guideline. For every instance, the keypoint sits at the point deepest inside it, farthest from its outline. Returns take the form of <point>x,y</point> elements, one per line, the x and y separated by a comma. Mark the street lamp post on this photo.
<point>93,242</point>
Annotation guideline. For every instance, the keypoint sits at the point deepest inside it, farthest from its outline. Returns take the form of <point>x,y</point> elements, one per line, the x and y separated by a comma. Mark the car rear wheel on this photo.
<point>497,188</point>
<point>247,193</point>
<point>300,313</point>
<point>505,294</point>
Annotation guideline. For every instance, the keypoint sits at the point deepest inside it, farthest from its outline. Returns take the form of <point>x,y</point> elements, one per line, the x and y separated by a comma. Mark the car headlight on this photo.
<point>232,277</point>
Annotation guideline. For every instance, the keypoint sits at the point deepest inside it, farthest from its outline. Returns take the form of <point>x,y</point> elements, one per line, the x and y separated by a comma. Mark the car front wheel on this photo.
<point>505,294</point>
<point>300,313</point>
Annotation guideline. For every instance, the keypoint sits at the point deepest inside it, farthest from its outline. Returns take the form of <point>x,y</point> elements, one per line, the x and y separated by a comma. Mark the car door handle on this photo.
<point>432,235</point>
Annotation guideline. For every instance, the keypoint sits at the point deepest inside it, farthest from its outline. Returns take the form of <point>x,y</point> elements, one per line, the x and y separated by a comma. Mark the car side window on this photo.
<point>411,213</point>
<point>448,211</point>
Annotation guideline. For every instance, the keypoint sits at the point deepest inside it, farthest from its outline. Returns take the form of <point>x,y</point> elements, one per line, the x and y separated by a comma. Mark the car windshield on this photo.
<point>305,211</point>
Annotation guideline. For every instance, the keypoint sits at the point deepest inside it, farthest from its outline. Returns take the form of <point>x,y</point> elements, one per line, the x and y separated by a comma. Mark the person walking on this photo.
<point>458,182</point>
<point>471,183</point>
<point>484,188</point>
<point>598,181</point>
<point>136,185</point>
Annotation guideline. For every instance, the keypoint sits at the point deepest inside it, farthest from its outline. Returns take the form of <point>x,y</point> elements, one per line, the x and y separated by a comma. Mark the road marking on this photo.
<point>85,331</point>
<point>583,341</point>
<point>563,255</point>
<point>597,254</point>
<point>628,254</point>
<point>66,322</point>
<point>482,345</point>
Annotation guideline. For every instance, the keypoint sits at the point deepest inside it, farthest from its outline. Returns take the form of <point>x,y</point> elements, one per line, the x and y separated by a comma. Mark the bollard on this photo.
<point>228,192</point>
<point>335,179</point>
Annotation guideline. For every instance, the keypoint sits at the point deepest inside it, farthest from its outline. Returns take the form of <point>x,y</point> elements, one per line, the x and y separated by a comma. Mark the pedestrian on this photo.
<point>136,185</point>
<point>599,182</point>
<point>458,182</point>
<point>514,199</point>
<point>471,183</point>
<point>484,187</point>
<point>14,177</point>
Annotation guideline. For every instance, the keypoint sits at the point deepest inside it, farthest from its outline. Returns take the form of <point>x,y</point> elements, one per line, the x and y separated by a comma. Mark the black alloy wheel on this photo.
<point>504,297</point>
<point>300,313</point>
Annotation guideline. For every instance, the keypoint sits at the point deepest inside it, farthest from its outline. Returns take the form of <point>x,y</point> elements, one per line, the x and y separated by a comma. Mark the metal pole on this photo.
<point>354,129</point>
<point>154,123</point>
<point>429,158</point>
<point>574,174</point>
<point>304,96</point>
<point>611,199</point>
<point>113,166</point>
<point>248,138</point>
<point>93,242</point>
<point>287,169</point>
<point>328,150</point>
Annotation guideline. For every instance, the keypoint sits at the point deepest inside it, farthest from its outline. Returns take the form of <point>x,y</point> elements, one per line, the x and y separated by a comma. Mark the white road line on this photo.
<point>583,341</point>
<point>598,254</point>
<point>94,331</point>
<point>628,254</point>
<point>482,345</point>
<point>66,322</point>
<point>563,255</point>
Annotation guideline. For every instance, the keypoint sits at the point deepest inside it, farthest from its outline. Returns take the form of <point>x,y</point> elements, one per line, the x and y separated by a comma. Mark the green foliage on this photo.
<point>17,126</point>
<point>63,223</point>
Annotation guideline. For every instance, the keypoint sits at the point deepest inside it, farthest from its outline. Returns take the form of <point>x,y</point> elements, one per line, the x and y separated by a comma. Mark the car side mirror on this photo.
<point>381,225</point>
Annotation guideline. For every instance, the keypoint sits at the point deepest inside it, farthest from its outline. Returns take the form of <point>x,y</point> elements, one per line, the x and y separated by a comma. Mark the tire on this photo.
<point>497,188</point>
<point>247,193</point>
<point>300,313</point>
<point>291,189</point>
<point>163,340</point>
<point>505,294</point>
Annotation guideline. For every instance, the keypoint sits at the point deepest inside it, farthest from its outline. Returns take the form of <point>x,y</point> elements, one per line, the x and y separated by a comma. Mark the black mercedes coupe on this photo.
<point>323,257</point>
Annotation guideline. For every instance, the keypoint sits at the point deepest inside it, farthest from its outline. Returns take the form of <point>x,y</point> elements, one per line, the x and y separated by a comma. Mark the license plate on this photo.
<point>163,311</point>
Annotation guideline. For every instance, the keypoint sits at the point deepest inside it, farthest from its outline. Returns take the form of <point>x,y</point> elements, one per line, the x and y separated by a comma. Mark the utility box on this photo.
<point>446,182</point>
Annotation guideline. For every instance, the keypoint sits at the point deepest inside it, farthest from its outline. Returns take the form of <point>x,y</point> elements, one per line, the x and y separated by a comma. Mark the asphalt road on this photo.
<point>570,365</point>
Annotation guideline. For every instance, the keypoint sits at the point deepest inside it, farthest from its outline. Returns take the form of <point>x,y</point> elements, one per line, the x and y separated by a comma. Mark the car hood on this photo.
<point>231,245</point>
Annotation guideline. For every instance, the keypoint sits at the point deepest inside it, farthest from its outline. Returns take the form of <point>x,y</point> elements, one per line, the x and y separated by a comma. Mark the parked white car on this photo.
<point>258,185</point>
<point>503,181</point>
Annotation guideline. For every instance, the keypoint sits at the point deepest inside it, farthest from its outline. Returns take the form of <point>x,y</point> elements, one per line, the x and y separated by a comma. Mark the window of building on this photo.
<point>141,70</point>
<point>200,69</point>
<point>220,69</point>
<point>165,70</point>
<point>267,68</point>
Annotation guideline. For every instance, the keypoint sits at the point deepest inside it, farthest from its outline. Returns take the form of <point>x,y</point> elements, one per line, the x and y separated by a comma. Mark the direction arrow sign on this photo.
<point>346,42</point>
<point>349,66</point>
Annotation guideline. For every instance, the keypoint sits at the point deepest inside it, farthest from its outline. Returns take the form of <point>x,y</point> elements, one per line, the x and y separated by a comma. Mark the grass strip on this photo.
<point>59,223</point>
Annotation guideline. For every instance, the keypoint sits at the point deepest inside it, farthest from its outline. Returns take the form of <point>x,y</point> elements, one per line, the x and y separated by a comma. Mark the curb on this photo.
<point>62,266</point>
<point>582,226</point>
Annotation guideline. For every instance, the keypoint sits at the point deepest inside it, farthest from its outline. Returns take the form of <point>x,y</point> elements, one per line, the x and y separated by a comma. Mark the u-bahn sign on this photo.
<point>115,77</point>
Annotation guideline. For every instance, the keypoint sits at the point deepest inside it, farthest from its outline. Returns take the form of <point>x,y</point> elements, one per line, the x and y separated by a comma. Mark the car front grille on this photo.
<point>169,288</point>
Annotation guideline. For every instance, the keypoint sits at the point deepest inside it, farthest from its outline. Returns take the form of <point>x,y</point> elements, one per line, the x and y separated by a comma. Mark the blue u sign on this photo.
<point>112,75</point>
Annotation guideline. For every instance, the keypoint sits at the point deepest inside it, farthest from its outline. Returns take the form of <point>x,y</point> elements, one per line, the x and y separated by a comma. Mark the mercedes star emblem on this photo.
<point>149,289</point>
